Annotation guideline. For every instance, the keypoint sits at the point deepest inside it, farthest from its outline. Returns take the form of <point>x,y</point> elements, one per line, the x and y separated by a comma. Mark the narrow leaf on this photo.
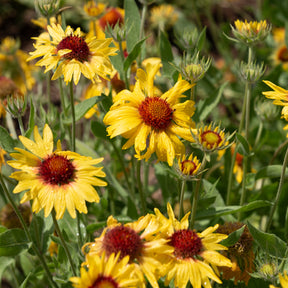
<point>210,104</point>
<point>243,145</point>
<point>133,54</point>
<point>99,130</point>
<point>269,243</point>
<point>133,20</point>
<point>6,141</point>
<point>233,237</point>
<point>272,171</point>
<point>82,108</point>
<point>166,56</point>
<point>13,242</point>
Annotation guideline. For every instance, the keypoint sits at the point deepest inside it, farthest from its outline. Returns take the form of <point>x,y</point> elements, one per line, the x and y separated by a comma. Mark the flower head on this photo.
<point>194,253</point>
<point>211,138</point>
<point>188,167</point>
<point>94,9</point>
<point>59,179</point>
<point>135,240</point>
<point>73,53</point>
<point>163,16</point>
<point>113,272</point>
<point>241,254</point>
<point>150,122</point>
<point>251,32</point>
<point>280,97</point>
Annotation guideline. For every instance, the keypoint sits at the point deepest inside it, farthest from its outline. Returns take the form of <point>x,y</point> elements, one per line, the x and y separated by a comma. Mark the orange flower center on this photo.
<point>211,138</point>
<point>156,113</point>
<point>188,167</point>
<point>123,239</point>
<point>79,48</point>
<point>186,243</point>
<point>283,54</point>
<point>104,282</point>
<point>111,18</point>
<point>57,170</point>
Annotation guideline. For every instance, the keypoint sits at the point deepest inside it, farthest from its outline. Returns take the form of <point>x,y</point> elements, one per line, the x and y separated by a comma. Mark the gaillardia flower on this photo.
<point>163,16</point>
<point>251,32</point>
<point>194,253</point>
<point>136,240</point>
<point>150,122</point>
<point>280,97</point>
<point>188,168</point>
<point>71,53</point>
<point>113,272</point>
<point>59,179</point>
<point>211,138</point>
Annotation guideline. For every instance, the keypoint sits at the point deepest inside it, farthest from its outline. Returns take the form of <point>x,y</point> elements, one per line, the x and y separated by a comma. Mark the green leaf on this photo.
<point>118,65</point>
<point>271,171</point>
<point>4,263</point>
<point>209,105</point>
<point>82,108</point>
<point>226,210</point>
<point>201,39</point>
<point>243,147</point>
<point>24,283</point>
<point>6,141</point>
<point>133,20</point>
<point>269,243</point>
<point>99,130</point>
<point>133,54</point>
<point>233,237</point>
<point>91,228</point>
<point>166,56</point>
<point>13,242</point>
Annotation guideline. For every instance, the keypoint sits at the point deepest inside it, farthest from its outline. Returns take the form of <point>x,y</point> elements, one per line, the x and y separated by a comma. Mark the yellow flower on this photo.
<point>73,54</point>
<point>194,253</point>
<point>152,123</point>
<point>59,179</point>
<point>280,97</point>
<point>136,240</point>
<point>283,280</point>
<point>94,9</point>
<point>189,167</point>
<point>163,16</point>
<point>99,271</point>
<point>13,64</point>
<point>251,32</point>
<point>241,254</point>
<point>211,138</point>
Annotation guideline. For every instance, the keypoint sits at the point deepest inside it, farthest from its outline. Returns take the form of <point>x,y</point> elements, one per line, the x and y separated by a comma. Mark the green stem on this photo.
<point>27,233</point>
<point>230,177</point>
<point>278,195</point>
<point>59,234</point>
<point>142,30</point>
<point>196,195</point>
<point>140,188</point>
<point>73,117</point>
<point>123,60</point>
<point>181,199</point>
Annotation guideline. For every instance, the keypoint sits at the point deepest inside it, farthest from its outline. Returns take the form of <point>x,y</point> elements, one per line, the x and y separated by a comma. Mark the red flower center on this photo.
<point>123,239</point>
<point>111,18</point>
<point>186,243</point>
<point>156,113</point>
<point>57,170</point>
<point>211,138</point>
<point>79,48</point>
<point>188,167</point>
<point>104,282</point>
<point>283,54</point>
